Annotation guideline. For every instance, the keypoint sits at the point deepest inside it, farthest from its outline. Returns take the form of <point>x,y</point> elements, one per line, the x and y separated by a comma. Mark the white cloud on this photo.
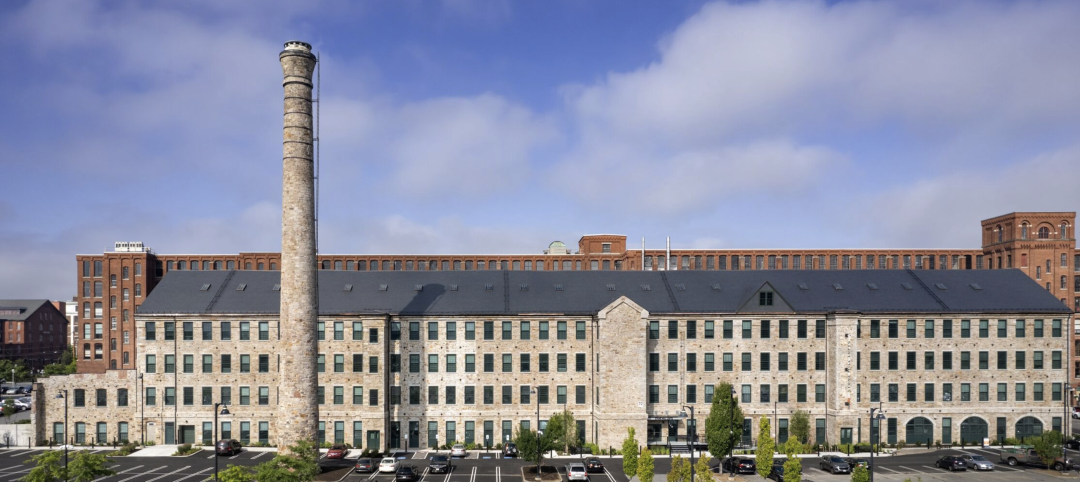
<point>396,234</point>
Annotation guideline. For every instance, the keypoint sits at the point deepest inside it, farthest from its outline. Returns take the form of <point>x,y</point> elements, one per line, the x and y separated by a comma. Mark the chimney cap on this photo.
<point>298,45</point>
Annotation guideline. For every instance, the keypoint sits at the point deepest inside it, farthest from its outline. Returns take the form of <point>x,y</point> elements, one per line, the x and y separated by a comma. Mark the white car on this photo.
<point>458,450</point>
<point>388,464</point>
<point>576,471</point>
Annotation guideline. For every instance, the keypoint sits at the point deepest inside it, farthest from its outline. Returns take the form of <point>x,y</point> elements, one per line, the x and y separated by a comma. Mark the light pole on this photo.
<point>64,396</point>
<point>731,432</point>
<point>692,435</point>
<point>142,410</point>
<point>877,434</point>
<point>224,411</point>
<point>1065,422</point>
<point>536,396</point>
<point>774,422</point>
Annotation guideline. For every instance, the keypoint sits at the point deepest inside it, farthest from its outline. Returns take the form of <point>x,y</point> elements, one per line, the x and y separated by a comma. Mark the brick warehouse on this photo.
<point>113,284</point>
<point>414,358</point>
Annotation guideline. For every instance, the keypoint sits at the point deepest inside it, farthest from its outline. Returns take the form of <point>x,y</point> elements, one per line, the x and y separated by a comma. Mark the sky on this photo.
<point>492,126</point>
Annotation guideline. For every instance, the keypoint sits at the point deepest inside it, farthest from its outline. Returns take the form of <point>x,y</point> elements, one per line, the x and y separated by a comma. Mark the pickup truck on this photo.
<point>1026,455</point>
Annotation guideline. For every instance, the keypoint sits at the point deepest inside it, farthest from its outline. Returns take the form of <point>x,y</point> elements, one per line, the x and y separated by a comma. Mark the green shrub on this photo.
<point>185,450</point>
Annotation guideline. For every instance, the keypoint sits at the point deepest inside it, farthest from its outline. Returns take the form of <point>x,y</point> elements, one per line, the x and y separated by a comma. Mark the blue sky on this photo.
<point>463,126</point>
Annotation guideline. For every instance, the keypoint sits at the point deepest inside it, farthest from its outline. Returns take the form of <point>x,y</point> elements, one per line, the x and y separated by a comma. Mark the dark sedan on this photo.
<point>835,465</point>
<point>227,447</point>
<point>440,464</point>
<point>365,465</point>
<point>951,462</point>
<point>1073,444</point>
<point>593,464</point>
<point>739,465</point>
<point>777,473</point>
<point>406,474</point>
<point>853,462</point>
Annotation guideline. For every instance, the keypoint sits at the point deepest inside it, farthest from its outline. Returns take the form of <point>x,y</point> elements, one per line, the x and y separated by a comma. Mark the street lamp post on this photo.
<point>774,421</point>
<point>224,411</point>
<point>1065,422</point>
<point>877,434</point>
<point>64,396</point>
<point>692,435</point>
<point>731,432</point>
<point>142,410</point>
<point>536,396</point>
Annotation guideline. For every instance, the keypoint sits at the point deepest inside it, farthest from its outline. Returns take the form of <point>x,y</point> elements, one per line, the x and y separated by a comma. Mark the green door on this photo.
<point>973,430</point>
<point>187,434</point>
<point>373,440</point>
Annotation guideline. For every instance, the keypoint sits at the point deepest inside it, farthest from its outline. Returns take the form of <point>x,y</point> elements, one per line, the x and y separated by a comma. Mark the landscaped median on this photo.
<point>547,473</point>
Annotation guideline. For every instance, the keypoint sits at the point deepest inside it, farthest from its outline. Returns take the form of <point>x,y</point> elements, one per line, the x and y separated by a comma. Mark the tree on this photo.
<point>723,427</point>
<point>47,467</point>
<point>235,473</point>
<point>800,426</point>
<point>629,453</point>
<point>793,466</point>
<point>528,449</point>
<point>562,430</point>
<point>9,407</point>
<point>86,466</point>
<point>1047,446</point>
<point>860,474</point>
<point>22,372</point>
<point>765,447</point>
<point>299,464</point>
<point>645,466</point>
<point>680,470</point>
<point>704,471</point>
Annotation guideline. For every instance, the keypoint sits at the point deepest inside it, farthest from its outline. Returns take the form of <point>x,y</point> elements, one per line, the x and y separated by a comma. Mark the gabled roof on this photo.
<point>24,308</point>
<point>587,292</point>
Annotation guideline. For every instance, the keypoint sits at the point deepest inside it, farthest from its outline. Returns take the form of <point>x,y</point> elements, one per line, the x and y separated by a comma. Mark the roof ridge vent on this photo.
<point>489,287</point>
<point>716,286</point>
<point>976,286</point>
<point>558,287</point>
<point>872,286</point>
<point>803,286</point>
<point>837,287</point>
<point>205,287</point>
<point>680,286</point>
<point>611,286</point>
<point>348,287</point>
<point>523,287</point>
<point>241,286</point>
<point>276,287</point>
<point>418,287</point>
<point>940,286</point>
<point>646,287</point>
<point>906,286</point>
<point>453,287</point>
<point>384,287</point>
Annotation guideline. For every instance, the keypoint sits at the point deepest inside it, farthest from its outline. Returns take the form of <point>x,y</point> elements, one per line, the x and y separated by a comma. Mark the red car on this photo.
<point>337,452</point>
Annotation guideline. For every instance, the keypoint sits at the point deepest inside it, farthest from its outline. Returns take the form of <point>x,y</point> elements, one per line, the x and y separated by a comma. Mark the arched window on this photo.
<point>1028,427</point>
<point>1000,233</point>
<point>1044,233</point>
<point>973,430</point>
<point>919,429</point>
<point>326,264</point>
<point>1024,231</point>
<point>1064,230</point>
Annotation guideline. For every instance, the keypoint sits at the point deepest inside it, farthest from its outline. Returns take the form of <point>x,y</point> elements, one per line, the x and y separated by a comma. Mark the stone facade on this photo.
<point>624,378</point>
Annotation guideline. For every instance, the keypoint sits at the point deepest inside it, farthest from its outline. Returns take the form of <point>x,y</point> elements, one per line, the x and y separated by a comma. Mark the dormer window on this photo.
<point>765,298</point>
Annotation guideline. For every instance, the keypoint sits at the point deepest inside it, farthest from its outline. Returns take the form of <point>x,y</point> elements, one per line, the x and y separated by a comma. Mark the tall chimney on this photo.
<point>297,399</point>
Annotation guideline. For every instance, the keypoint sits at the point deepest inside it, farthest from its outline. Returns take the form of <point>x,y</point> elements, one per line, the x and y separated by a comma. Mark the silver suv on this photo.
<point>576,471</point>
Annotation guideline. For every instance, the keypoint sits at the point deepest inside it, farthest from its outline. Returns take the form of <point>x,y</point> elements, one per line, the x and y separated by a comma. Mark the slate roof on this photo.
<point>25,307</point>
<point>587,292</point>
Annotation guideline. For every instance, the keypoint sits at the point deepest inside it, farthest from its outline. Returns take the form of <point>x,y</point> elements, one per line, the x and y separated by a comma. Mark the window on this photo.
<point>875,328</point>
<point>782,361</point>
<point>819,393</point>
<point>207,331</point>
<point>728,361</point>
<point>946,328</point>
<point>710,328</point>
<point>801,330</point>
<point>189,331</point>
<point>226,330</point>
<point>728,328</point>
<point>763,362</point>
<point>765,298</point>
<point>783,329</point>
<point>894,328</point>
<point>965,328</point>
<point>691,329</point>
<point>264,330</point>
<point>710,362</point>
<point>245,330</point>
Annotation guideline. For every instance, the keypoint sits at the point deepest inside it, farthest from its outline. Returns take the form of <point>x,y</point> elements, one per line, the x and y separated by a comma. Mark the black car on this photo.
<point>440,464</point>
<point>1073,444</point>
<point>406,474</point>
<point>951,462</point>
<point>777,473</point>
<point>227,447</point>
<point>593,464</point>
<point>365,465</point>
<point>21,391</point>
<point>739,465</point>
<point>835,465</point>
<point>853,462</point>
<point>510,450</point>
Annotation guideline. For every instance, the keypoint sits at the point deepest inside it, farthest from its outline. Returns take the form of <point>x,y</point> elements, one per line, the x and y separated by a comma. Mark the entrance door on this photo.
<point>187,434</point>
<point>673,431</point>
<point>151,432</point>
<point>654,432</point>
<point>373,440</point>
<point>973,430</point>
<point>845,435</point>
<point>170,433</point>
<point>414,435</point>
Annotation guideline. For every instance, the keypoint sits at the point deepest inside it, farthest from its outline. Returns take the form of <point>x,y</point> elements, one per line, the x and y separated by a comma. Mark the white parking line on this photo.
<point>373,474</point>
<point>985,451</point>
<point>498,474</point>
<point>932,468</point>
<point>886,468</point>
<point>608,474</point>
<point>168,474</point>
<point>129,470</point>
<point>1007,469</point>
<point>192,475</point>
<point>911,469</point>
<point>472,476</point>
<point>237,455</point>
<point>19,452</point>
<point>260,454</point>
<point>144,473</point>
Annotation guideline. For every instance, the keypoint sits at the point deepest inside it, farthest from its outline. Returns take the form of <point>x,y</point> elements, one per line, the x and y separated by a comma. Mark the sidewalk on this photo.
<point>168,450</point>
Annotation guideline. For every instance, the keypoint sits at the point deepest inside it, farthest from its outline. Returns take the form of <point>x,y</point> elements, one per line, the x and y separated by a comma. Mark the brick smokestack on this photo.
<point>298,411</point>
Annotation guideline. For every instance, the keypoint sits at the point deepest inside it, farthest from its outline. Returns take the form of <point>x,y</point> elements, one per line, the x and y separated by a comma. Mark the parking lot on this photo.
<point>476,468</point>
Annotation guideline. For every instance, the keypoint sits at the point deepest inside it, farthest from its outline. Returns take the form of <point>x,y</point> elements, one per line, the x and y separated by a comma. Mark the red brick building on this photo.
<point>111,285</point>
<point>32,330</point>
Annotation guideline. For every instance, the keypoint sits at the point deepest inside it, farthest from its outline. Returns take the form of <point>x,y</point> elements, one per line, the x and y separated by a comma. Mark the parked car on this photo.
<point>388,465</point>
<point>834,464</point>
<point>1073,444</point>
<point>777,473</point>
<point>22,391</point>
<point>1026,455</point>
<point>739,465</point>
<point>977,462</point>
<point>951,462</point>
<point>337,451</point>
<point>458,450</point>
<point>854,462</point>
<point>227,447</point>
<point>440,464</point>
<point>364,465</point>
<point>593,464</point>
<point>21,405</point>
<point>510,450</point>
<point>406,473</point>
<point>576,471</point>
